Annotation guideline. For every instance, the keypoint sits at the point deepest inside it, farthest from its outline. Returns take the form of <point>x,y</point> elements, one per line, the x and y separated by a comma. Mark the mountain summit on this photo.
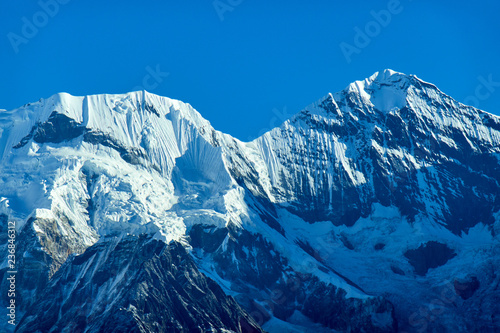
<point>353,215</point>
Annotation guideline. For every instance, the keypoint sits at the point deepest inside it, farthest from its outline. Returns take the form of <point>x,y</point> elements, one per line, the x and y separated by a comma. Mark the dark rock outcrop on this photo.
<point>429,255</point>
<point>465,288</point>
<point>56,129</point>
<point>268,286</point>
<point>134,284</point>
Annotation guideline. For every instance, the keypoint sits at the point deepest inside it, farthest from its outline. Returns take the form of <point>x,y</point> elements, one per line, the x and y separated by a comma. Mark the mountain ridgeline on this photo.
<point>375,209</point>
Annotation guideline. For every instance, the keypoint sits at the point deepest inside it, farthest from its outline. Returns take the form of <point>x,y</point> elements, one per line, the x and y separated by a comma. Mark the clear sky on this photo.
<point>245,65</point>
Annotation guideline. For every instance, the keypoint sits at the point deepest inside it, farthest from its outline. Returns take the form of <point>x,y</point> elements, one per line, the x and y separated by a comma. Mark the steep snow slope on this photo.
<point>106,161</point>
<point>393,164</point>
<point>387,188</point>
<point>75,169</point>
<point>349,150</point>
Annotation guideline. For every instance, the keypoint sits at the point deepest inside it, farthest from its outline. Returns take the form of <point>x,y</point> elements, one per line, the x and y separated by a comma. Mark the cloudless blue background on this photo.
<point>263,62</point>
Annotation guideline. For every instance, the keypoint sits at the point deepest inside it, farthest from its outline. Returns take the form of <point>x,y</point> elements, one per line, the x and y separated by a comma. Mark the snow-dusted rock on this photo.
<point>342,204</point>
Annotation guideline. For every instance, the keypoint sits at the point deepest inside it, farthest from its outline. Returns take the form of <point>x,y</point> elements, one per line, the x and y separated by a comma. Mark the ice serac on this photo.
<point>368,204</point>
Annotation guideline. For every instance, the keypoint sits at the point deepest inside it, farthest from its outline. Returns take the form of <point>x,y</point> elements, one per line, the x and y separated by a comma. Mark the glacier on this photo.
<point>328,222</point>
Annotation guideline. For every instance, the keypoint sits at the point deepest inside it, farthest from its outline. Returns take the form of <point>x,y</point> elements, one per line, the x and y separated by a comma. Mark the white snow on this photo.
<point>184,178</point>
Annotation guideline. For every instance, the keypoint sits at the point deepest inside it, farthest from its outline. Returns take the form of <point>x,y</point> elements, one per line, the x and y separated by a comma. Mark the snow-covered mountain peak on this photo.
<point>87,110</point>
<point>383,92</point>
<point>387,75</point>
<point>125,141</point>
<point>386,90</point>
<point>338,201</point>
<point>127,118</point>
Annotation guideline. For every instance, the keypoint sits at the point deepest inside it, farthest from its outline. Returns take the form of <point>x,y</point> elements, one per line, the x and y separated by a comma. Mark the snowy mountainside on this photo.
<point>76,169</point>
<point>406,181</point>
<point>386,189</point>
<point>350,150</point>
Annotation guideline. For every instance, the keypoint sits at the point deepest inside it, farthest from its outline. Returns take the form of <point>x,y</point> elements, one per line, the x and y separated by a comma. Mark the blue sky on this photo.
<point>245,65</point>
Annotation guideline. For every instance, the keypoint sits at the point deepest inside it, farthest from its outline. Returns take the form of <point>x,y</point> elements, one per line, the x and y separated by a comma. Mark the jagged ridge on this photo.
<point>340,193</point>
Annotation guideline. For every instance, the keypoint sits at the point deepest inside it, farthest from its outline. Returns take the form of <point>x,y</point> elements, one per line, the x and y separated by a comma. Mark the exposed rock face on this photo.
<point>465,288</point>
<point>33,269</point>
<point>266,289</point>
<point>429,255</point>
<point>134,284</point>
<point>56,129</point>
<point>358,214</point>
<point>419,151</point>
